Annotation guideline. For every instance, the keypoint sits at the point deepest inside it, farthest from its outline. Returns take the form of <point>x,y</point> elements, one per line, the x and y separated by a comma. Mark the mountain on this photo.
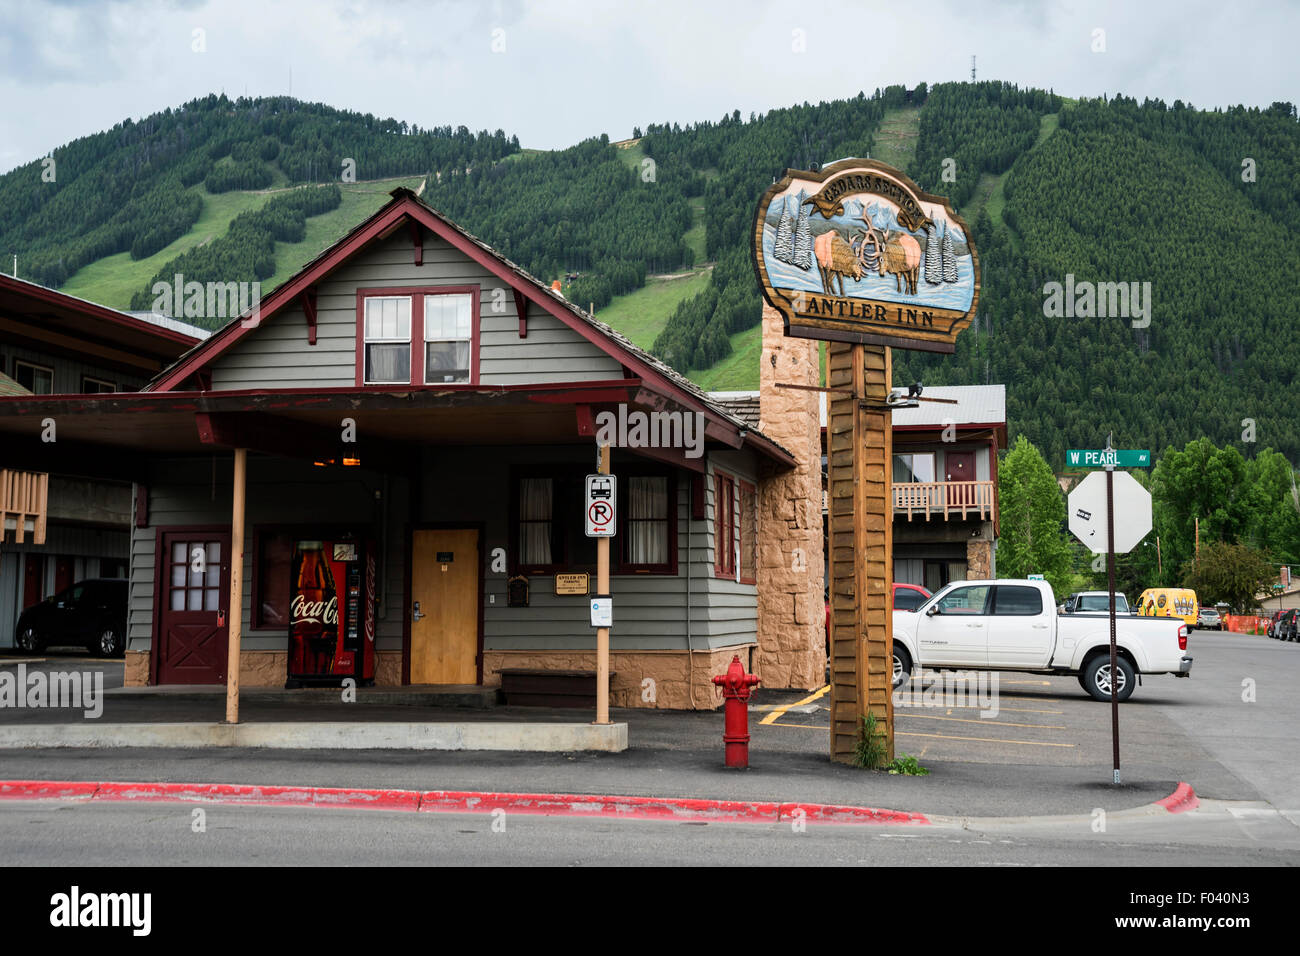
<point>1199,208</point>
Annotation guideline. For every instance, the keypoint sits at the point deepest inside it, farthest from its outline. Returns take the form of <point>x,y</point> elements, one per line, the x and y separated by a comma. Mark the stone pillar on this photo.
<point>979,559</point>
<point>791,574</point>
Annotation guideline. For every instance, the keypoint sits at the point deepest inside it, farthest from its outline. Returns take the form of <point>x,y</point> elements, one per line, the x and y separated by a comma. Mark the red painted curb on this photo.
<point>1181,800</point>
<point>460,801</point>
<point>261,795</point>
<point>46,790</point>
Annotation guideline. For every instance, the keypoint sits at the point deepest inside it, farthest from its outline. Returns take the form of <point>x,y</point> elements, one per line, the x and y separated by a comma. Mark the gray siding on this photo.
<point>67,372</point>
<point>470,486</point>
<point>277,355</point>
<point>279,492</point>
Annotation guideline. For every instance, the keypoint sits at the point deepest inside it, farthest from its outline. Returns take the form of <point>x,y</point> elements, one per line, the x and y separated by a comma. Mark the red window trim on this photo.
<point>723,559</point>
<point>416,294</point>
<point>621,565</point>
<point>742,485</point>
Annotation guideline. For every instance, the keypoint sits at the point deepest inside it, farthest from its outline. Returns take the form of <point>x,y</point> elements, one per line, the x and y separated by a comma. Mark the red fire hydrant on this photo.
<point>735,686</point>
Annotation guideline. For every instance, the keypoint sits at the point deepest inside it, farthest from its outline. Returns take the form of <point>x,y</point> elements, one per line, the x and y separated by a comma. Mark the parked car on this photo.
<point>1012,625</point>
<point>1287,625</point>
<point>1208,619</point>
<point>90,614</point>
<point>1094,602</point>
<point>908,597</point>
<point>1273,621</point>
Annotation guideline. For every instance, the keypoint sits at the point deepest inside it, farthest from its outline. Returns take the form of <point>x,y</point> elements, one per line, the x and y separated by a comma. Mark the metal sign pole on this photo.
<point>1110,574</point>
<point>602,633</point>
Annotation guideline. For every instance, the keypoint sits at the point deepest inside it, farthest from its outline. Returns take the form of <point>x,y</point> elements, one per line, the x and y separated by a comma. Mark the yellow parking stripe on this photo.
<point>780,711</point>
<point>984,723</point>
<point>983,740</point>
<point>1005,710</point>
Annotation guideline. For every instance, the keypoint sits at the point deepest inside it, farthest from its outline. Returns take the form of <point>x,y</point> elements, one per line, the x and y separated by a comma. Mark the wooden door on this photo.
<point>63,568</point>
<point>33,578</point>
<point>193,582</point>
<point>960,466</point>
<point>445,585</point>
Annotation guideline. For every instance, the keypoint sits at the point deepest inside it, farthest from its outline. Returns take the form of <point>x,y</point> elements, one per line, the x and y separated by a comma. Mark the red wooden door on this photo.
<point>33,578</point>
<point>193,581</point>
<point>960,466</point>
<point>63,565</point>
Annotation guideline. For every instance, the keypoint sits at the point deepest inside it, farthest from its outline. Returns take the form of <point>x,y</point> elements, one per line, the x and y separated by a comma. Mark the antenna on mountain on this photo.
<point>972,67</point>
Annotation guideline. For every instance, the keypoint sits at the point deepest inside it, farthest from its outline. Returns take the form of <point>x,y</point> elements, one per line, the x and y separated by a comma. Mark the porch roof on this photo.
<point>113,435</point>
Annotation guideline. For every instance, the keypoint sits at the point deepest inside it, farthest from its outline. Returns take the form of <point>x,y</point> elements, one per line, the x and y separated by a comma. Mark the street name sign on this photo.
<point>1103,457</point>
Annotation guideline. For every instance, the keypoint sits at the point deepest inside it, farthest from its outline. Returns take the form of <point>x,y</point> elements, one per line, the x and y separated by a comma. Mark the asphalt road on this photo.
<point>50,834</point>
<point>1200,730</point>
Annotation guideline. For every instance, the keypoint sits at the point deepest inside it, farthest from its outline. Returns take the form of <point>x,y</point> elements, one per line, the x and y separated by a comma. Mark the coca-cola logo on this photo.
<point>315,612</point>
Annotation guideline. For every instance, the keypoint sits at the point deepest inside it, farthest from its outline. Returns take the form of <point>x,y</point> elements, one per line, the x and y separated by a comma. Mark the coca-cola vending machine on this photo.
<point>332,612</point>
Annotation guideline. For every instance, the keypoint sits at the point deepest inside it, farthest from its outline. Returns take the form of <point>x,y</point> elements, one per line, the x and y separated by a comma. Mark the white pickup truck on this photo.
<point>1013,625</point>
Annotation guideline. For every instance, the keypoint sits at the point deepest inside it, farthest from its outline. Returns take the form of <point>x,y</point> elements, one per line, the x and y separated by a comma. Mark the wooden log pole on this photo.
<point>861,546</point>
<point>236,603</point>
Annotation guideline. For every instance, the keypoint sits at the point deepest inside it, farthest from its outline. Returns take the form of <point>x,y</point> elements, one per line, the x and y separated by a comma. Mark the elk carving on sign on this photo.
<point>897,253</point>
<point>835,257</point>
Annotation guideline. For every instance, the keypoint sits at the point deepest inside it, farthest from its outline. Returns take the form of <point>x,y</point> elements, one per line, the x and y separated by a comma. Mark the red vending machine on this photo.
<point>332,613</point>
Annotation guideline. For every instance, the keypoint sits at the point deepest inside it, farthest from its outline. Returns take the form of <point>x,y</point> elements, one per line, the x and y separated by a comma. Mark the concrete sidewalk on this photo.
<point>670,754</point>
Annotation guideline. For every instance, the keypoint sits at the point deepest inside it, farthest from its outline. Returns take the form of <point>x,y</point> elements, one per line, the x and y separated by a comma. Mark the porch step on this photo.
<point>465,696</point>
<point>538,687</point>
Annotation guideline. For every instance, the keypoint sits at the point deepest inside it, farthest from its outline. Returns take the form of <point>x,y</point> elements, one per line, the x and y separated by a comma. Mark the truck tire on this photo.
<point>902,666</point>
<point>1096,678</point>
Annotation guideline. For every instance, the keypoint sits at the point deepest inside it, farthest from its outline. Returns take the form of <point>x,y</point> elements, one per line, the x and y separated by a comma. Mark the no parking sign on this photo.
<point>602,496</point>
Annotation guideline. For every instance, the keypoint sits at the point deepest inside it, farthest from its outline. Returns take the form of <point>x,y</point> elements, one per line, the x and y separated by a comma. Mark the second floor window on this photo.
<point>388,340</point>
<point>37,379</point>
<point>915,468</point>
<point>447,338</point>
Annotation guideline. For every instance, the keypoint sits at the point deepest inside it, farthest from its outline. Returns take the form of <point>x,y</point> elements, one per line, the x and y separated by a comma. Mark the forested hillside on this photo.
<point>140,185</point>
<point>1203,206</point>
<point>1128,192</point>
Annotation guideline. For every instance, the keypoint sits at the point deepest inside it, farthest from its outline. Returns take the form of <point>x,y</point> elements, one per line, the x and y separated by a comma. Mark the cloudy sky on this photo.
<point>557,71</point>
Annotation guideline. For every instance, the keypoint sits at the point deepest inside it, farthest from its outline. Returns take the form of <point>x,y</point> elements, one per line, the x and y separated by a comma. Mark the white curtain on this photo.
<point>647,538</point>
<point>535,521</point>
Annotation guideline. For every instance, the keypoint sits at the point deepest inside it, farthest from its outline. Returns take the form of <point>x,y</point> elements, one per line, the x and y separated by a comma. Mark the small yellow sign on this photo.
<point>572,583</point>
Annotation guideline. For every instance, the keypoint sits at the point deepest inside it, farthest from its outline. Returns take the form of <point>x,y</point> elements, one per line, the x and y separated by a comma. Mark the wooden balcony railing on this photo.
<point>24,497</point>
<point>946,499</point>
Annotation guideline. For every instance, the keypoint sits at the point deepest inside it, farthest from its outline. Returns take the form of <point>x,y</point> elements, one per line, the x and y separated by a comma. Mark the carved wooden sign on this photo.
<point>857,253</point>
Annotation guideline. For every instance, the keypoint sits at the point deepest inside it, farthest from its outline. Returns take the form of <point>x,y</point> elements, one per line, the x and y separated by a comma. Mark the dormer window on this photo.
<point>417,336</point>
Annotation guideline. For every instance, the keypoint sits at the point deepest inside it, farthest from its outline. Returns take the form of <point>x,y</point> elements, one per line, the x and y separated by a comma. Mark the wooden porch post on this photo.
<point>236,603</point>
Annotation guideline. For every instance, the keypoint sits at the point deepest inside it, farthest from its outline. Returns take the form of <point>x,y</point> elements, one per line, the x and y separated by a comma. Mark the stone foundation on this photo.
<point>662,680</point>
<point>791,650</point>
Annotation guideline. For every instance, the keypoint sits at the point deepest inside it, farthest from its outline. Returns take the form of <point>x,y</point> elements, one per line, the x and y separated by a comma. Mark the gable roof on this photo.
<point>69,324</point>
<point>983,405</point>
<point>407,207</point>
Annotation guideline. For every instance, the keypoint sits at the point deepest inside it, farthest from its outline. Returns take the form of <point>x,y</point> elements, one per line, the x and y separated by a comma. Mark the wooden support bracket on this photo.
<point>308,302</point>
<point>521,310</point>
<point>417,240</point>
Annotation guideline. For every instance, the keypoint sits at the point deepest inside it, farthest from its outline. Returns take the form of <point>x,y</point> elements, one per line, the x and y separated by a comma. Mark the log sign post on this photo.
<point>857,256</point>
<point>601,504</point>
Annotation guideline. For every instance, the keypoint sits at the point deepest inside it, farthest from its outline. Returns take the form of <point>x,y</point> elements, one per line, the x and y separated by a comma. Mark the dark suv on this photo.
<point>90,614</point>
<point>1285,627</point>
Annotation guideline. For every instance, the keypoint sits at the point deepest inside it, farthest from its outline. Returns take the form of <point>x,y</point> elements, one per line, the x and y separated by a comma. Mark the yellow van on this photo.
<point>1169,602</point>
